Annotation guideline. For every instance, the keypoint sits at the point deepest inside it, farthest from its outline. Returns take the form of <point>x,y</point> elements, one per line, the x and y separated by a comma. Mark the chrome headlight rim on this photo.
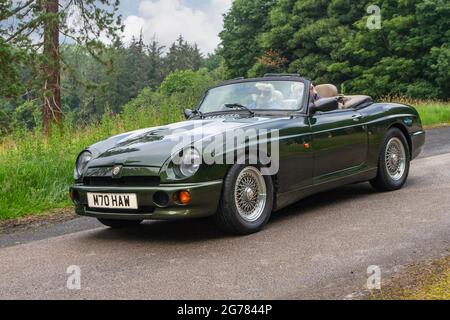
<point>186,163</point>
<point>83,160</point>
<point>190,163</point>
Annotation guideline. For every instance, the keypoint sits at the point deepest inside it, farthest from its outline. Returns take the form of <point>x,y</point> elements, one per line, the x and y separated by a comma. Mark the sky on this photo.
<point>198,21</point>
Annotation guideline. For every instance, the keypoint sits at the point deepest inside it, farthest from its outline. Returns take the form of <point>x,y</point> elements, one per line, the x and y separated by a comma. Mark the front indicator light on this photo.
<point>184,197</point>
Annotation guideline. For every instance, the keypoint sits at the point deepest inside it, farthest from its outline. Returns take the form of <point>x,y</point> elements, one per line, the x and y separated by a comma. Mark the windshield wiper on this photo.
<point>239,106</point>
<point>198,113</point>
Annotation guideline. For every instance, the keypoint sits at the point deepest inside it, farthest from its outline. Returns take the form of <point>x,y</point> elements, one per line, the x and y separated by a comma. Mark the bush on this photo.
<point>422,90</point>
<point>27,115</point>
<point>190,83</point>
<point>5,122</point>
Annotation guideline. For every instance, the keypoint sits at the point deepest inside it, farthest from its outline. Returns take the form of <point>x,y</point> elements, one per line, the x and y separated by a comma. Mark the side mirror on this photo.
<point>324,105</point>
<point>188,113</point>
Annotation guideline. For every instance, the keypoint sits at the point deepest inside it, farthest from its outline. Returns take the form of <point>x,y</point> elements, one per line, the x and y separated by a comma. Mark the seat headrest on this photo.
<point>327,90</point>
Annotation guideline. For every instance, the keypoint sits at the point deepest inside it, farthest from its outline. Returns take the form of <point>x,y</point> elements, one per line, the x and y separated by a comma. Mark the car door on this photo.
<point>295,157</point>
<point>339,142</point>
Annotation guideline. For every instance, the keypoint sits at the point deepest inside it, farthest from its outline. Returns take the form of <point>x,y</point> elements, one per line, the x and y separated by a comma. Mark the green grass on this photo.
<point>35,174</point>
<point>432,113</point>
<point>418,282</point>
<point>437,289</point>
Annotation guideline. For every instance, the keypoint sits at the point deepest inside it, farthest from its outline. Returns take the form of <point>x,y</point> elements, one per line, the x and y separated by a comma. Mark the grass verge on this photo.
<point>418,282</point>
<point>432,113</point>
<point>31,222</point>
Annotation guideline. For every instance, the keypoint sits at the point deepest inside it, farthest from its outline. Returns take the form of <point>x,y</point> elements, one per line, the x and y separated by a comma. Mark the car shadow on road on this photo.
<point>205,229</point>
<point>166,231</point>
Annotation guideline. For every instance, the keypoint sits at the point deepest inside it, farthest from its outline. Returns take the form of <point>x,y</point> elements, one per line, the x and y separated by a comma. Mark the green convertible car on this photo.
<point>251,147</point>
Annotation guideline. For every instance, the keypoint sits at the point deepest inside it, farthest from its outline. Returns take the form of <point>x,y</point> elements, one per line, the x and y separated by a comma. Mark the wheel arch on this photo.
<point>405,132</point>
<point>274,177</point>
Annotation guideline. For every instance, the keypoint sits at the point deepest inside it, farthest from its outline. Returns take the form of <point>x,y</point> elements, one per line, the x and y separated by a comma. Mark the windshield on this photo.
<point>261,95</point>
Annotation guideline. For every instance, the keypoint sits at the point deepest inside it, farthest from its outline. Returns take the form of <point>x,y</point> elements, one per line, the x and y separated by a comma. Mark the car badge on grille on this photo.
<point>116,171</point>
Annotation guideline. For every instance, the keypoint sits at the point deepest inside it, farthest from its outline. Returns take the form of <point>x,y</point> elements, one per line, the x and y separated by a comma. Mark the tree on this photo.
<point>136,66</point>
<point>34,25</point>
<point>84,86</point>
<point>10,61</point>
<point>183,88</point>
<point>242,26</point>
<point>408,56</point>
<point>309,35</point>
<point>183,56</point>
<point>214,60</point>
<point>132,68</point>
<point>5,122</point>
<point>155,71</point>
<point>329,41</point>
<point>52,110</point>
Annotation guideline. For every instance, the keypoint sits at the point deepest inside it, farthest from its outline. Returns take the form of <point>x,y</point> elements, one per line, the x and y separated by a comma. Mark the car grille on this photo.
<point>122,182</point>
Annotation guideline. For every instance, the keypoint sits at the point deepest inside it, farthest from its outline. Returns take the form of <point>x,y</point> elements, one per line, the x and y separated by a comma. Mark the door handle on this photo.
<point>357,117</point>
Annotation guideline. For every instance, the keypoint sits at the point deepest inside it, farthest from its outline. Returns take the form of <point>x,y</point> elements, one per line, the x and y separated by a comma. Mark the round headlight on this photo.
<point>190,163</point>
<point>82,161</point>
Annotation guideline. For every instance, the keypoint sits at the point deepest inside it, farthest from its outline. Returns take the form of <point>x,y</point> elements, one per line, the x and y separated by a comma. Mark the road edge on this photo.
<point>48,218</point>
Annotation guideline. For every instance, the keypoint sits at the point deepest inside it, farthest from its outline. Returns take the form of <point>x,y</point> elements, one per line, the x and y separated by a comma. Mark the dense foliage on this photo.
<point>33,29</point>
<point>90,87</point>
<point>133,67</point>
<point>329,41</point>
<point>242,26</point>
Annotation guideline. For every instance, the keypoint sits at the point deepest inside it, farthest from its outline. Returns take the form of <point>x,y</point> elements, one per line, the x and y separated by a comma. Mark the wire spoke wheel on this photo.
<point>250,194</point>
<point>395,159</point>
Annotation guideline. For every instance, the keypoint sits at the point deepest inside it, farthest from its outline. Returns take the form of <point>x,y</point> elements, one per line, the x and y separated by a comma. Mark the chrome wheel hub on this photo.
<point>250,194</point>
<point>395,159</point>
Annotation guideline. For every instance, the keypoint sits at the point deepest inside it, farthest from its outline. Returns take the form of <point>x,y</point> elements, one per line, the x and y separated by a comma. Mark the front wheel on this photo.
<point>247,200</point>
<point>120,224</point>
<point>394,162</point>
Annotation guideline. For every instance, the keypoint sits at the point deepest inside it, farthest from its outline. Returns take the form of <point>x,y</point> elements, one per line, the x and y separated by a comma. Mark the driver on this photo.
<point>268,97</point>
<point>314,95</point>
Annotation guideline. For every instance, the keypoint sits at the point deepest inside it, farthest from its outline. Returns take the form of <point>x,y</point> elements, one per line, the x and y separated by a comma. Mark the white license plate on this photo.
<point>112,201</point>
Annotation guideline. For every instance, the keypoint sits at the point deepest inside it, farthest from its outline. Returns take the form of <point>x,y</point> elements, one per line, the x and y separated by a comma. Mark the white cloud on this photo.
<point>167,19</point>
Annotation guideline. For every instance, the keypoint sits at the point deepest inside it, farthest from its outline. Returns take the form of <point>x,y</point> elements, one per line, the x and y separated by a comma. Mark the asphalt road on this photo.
<point>318,248</point>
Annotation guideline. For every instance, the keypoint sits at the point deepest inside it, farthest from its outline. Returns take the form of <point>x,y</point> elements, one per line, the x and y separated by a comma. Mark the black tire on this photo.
<point>120,224</point>
<point>228,217</point>
<point>384,182</point>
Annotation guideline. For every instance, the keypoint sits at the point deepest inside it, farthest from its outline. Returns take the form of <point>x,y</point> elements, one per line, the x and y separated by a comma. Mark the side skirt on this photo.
<point>291,197</point>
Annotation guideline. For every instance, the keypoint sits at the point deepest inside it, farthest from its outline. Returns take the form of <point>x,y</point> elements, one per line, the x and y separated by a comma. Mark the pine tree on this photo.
<point>35,25</point>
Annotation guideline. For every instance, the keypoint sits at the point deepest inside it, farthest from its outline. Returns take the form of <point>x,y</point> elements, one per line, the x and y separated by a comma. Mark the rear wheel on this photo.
<point>394,162</point>
<point>120,224</point>
<point>247,200</point>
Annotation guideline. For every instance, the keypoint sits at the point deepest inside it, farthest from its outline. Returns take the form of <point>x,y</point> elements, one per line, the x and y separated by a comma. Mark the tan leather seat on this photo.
<point>327,90</point>
<point>355,101</point>
<point>346,102</point>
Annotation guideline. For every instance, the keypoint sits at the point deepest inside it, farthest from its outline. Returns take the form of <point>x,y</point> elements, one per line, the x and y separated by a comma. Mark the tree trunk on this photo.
<point>51,112</point>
